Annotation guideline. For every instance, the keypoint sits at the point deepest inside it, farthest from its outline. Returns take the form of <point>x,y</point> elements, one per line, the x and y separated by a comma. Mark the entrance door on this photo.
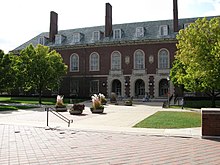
<point>163,88</point>
<point>116,87</point>
<point>139,88</point>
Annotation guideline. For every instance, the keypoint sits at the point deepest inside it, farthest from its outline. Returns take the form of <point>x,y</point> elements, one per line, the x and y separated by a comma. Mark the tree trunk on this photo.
<point>40,93</point>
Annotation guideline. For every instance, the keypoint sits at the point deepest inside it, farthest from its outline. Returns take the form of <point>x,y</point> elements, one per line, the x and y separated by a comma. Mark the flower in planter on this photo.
<point>102,99</point>
<point>59,103</point>
<point>78,107</point>
<point>96,103</point>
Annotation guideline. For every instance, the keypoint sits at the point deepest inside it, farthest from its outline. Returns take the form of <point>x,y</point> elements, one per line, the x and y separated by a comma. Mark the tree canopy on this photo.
<point>7,72</point>
<point>197,60</point>
<point>40,69</point>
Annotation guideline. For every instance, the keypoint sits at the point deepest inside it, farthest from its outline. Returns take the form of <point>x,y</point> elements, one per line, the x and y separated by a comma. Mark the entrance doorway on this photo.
<point>116,87</point>
<point>163,88</point>
<point>139,88</point>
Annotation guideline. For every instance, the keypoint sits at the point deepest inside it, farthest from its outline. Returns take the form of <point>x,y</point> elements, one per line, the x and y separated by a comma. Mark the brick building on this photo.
<point>129,59</point>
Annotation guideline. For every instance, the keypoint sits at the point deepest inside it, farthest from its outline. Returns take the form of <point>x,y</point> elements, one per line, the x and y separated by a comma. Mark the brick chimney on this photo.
<point>108,20</point>
<point>53,26</point>
<point>175,16</point>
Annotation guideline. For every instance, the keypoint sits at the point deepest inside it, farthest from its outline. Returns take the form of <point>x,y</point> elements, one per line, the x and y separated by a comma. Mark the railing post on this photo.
<point>47,116</point>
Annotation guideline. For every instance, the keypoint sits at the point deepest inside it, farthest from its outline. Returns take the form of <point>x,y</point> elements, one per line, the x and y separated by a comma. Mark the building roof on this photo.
<point>151,28</point>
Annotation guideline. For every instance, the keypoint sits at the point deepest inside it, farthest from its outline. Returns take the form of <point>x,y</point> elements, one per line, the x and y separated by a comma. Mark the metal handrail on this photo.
<point>53,111</point>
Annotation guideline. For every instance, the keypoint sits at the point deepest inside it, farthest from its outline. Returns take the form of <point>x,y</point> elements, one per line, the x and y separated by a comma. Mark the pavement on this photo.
<point>100,138</point>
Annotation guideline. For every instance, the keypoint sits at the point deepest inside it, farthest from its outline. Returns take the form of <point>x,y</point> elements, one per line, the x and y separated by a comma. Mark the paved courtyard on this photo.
<point>100,139</point>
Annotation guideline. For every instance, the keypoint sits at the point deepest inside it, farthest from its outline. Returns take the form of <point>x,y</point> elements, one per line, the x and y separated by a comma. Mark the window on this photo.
<point>74,63</point>
<point>163,59</point>
<point>94,86</point>
<point>117,34</point>
<point>139,32</point>
<point>164,30</point>
<point>77,37</point>
<point>41,40</point>
<point>94,62</point>
<point>139,59</point>
<point>74,87</point>
<point>96,35</point>
<point>116,61</point>
<point>58,39</point>
<point>185,25</point>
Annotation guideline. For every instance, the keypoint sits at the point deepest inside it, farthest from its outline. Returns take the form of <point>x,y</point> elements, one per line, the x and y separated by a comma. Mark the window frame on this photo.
<point>96,38</point>
<point>161,64</point>
<point>71,63</point>
<point>76,37</point>
<point>139,34</point>
<point>91,87</point>
<point>135,60</point>
<point>119,63</point>
<point>117,33</point>
<point>164,30</point>
<point>91,65</point>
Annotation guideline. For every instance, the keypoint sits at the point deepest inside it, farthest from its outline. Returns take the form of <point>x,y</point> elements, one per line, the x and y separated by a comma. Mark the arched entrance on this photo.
<point>163,88</point>
<point>139,88</point>
<point>116,87</point>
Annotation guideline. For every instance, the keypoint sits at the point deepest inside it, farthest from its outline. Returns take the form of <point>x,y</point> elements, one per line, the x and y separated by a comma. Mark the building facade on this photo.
<point>132,59</point>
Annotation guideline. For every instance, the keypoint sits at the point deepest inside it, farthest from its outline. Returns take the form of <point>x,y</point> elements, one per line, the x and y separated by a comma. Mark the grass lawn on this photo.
<point>7,108</point>
<point>170,119</point>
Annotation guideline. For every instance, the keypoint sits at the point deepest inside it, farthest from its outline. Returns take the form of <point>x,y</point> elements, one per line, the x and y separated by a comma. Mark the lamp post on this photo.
<point>168,91</point>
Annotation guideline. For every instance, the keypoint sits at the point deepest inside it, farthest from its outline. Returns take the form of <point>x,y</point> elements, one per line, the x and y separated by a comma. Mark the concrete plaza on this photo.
<point>100,139</point>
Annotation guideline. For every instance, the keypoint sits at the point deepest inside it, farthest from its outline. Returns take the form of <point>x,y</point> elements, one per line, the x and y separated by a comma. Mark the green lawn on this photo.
<point>170,119</point>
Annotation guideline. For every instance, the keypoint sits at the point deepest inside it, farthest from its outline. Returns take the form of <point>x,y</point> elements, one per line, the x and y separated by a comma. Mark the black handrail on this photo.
<point>53,111</point>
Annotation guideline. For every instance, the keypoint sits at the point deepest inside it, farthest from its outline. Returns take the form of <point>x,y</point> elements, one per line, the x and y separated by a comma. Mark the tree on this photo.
<point>40,69</point>
<point>197,60</point>
<point>7,72</point>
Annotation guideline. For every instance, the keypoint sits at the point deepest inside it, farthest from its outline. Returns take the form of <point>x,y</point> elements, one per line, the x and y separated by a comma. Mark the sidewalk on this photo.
<point>117,118</point>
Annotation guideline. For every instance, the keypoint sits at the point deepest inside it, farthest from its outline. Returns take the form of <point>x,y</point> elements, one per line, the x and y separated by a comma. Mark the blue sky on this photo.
<point>24,19</point>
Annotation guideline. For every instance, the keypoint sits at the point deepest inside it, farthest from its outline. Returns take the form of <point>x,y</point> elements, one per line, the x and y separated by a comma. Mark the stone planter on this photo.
<point>60,109</point>
<point>75,111</point>
<point>128,103</point>
<point>97,110</point>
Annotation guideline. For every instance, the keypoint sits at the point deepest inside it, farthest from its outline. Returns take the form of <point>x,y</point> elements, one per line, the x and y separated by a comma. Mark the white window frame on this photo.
<point>163,63</point>
<point>92,65</point>
<point>117,33</point>
<point>41,40</point>
<point>76,37</point>
<point>137,62</point>
<point>164,30</point>
<point>91,89</point>
<point>72,63</point>
<point>96,37</point>
<point>139,31</point>
<point>58,39</point>
<point>116,65</point>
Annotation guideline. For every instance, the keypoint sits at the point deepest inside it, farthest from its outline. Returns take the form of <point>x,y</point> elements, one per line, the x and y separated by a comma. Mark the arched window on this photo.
<point>94,62</point>
<point>74,63</point>
<point>116,61</point>
<point>163,59</point>
<point>139,60</point>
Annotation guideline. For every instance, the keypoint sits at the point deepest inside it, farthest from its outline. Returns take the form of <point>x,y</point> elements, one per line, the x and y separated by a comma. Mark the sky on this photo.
<point>21,20</point>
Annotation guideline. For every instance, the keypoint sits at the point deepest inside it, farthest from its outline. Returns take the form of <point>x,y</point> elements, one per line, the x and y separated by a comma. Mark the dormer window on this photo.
<point>117,33</point>
<point>185,25</point>
<point>77,37</point>
<point>59,39</point>
<point>164,30</point>
<point>42,40</point>
<point>139,32</point>
<point>96,36</point>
